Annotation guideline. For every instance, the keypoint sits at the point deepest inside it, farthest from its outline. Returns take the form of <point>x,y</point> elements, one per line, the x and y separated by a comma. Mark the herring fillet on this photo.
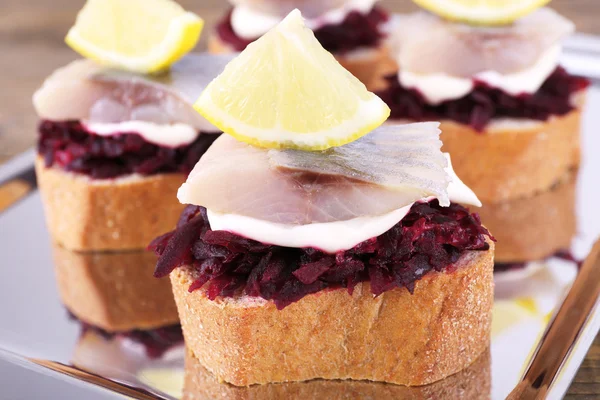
<point>235,178</point>
<point>400,157</point>
<point>281,8</point>
<point>85,90</point>
<point>427,44</point>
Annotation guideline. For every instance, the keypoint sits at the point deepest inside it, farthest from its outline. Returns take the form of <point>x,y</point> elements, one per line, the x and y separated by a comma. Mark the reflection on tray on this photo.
<point>128,318</point>
<point>126,361</point>
<point>165,376</point>
<point>519,318</point>
<point>471,383</point>
<point>120,305</point>
<point>114,291</point>
<point>525,299</point>
<point>155,342</point>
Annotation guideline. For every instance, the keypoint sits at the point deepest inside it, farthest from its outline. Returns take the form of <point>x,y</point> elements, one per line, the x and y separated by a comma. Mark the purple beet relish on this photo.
<point>155,341</point>
<point>355,31</point>
<point>68,145</point>
<point>484,103</point>
<point>430,237</point>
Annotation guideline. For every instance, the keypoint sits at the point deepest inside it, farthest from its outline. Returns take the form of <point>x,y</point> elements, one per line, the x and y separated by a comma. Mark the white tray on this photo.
<point>35,324</point>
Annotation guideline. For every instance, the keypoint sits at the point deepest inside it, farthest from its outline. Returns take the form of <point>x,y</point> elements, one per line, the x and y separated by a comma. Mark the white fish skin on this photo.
<point>235,178</point>
<point>281,8</point>
<point>84,90</point>
<point>427,44</point>
<point>401,157</point>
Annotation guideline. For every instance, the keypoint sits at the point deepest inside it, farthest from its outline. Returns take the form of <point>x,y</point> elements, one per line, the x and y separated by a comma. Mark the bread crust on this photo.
<point>535,227</point>
<point>111,214</point>
<point>396,337</point>
<point>473,383</point>
<point>370,67</point>
<point>114,291</point>
<point>511,162</point>
<point>217,46</point>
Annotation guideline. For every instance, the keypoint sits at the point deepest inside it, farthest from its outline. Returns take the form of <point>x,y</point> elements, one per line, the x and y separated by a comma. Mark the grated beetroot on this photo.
<point>484,103</point>
<point>429,238</point>
<point>70,146</point>
<point>356,30</point>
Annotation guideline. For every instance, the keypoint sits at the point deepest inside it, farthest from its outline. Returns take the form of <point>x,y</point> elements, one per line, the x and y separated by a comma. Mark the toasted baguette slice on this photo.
<point>114,291</point>
<point>473,383</point>
<point>110,214</point>
<point>369,65</point>
<point>513,159</point>
<point>535,227</point>
<point>397,337</point>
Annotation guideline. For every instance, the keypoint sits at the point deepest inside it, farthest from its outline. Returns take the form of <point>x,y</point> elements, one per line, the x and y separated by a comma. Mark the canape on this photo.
<point>113,144</point>
<point>353,31</point>
<point>510,114</point>
<point>510,119</point>
<point>324,245</point>
<point>330,267</point>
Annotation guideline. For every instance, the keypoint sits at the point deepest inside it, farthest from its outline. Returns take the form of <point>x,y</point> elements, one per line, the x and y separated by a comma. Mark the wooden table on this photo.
<point>31,46</point>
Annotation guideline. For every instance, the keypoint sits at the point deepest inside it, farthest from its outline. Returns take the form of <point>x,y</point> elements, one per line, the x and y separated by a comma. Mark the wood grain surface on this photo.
<point>31,46</point>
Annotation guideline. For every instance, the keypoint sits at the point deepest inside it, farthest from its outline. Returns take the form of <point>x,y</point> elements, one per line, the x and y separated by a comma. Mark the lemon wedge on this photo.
<point>286,91</point>
<point>137,35</point>
<point>482,12</point>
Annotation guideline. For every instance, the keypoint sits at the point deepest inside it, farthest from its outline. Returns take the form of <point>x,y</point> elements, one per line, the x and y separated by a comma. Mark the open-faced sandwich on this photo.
<point>354,31</point>
<point>510,117</point>
<point>317,243</point>
<point>117,136</point>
